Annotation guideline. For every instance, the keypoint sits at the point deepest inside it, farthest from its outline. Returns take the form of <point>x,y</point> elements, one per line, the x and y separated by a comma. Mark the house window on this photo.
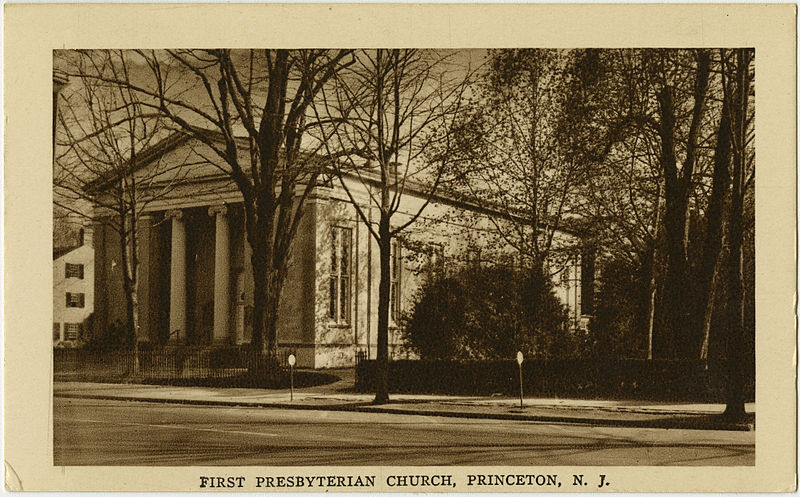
<point>73,271</point>
<point>56,332</point>
<point>75,299</point>
<point>72,331</point>
<point>571,282</point>
<point>394,288</point>
<point>339,295</point>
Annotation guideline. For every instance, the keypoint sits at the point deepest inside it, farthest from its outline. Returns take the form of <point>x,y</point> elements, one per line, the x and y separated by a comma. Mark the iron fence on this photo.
<point>176,363</point>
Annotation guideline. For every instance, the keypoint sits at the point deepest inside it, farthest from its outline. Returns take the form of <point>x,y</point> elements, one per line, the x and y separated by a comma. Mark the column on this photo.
<point>143,294</point>
<point>222,258</point>
<point>177,282</point>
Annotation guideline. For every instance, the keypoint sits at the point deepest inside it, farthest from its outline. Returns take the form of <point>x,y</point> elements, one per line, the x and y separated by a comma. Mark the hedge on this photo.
<point>579,378</point>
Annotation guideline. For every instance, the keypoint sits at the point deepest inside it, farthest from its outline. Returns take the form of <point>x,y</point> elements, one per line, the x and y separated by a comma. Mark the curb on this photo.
<point>671,421</point>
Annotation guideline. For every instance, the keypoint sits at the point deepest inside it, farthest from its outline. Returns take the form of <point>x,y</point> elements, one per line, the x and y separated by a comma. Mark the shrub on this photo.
<point>488,313</point>
<point>116,337</point>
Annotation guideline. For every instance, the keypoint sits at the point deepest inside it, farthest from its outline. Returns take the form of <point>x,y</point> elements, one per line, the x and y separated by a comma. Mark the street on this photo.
<point>109,433</point>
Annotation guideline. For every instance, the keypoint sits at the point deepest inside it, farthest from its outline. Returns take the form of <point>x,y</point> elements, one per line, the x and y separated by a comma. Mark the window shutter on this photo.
<point>82,298</point>
<point>80,271</point>
<point>67,304</point>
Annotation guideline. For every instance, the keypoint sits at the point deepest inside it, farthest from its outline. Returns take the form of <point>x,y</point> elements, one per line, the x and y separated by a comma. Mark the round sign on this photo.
<point>519,357</point>
<point>292,359</point>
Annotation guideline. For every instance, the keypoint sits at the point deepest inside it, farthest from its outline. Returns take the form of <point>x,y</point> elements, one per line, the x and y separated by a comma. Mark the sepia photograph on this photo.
<point>342,263</point>
<point>503,256</point>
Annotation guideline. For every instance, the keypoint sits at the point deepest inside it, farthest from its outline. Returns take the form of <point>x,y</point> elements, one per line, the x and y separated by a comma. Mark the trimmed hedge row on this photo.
<point>580,378</point>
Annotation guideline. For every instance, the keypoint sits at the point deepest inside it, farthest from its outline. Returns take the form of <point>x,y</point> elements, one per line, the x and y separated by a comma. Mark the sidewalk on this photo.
<point>641,414</point>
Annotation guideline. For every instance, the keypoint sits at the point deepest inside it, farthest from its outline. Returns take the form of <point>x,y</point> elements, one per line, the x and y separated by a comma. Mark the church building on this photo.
<point>195,276</point>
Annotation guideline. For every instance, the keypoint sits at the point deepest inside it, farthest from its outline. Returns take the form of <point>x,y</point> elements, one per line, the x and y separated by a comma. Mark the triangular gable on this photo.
<point>186,160</point>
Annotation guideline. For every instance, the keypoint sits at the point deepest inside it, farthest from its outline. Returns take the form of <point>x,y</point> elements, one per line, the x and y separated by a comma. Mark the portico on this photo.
<point>191,276</point>
<point>222,333</point>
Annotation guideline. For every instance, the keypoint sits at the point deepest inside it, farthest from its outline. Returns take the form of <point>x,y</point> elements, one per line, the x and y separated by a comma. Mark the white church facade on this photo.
<point>195,276</point>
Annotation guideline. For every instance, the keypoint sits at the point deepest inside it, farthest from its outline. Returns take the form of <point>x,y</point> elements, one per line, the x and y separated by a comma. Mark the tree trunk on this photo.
<point>259,263</point>
<point>133,318</point>
<point>734,343</point>
<point>382,359</point>
<point>672,342</point>
<point>129,286</point>
<point>266,287</point>
<point>664,343</point>
<point>680,340</point>
<point>707,269</point>
<point>646,302</point>
<point>708,315</point>
<point>272,301</point>
<point>651,313</point>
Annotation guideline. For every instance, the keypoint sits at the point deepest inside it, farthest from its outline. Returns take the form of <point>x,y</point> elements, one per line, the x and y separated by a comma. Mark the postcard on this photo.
<point>400,248</point>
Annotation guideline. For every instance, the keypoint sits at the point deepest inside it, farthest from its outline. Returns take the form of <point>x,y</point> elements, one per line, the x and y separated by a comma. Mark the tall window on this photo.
<point>75,299</point>
<point>394,288</point>
<point>339,296</point>
<point>436,262</point>
<point>474,257</point>
<point>571,282</point>
<point>73,271</point>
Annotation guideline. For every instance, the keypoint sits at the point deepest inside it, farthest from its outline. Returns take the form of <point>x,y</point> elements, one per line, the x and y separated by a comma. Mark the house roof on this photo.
<point>62,251</point>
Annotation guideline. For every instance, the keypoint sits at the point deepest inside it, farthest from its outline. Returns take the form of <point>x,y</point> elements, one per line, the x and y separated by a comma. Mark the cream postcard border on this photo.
<point>33,31</point>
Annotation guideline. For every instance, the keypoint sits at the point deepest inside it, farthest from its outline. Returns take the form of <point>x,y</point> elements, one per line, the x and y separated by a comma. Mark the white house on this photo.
<point>73,292</point>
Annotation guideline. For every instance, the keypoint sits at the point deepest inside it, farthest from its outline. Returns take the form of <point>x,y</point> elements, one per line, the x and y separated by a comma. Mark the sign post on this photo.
<point>292,360</point>
<point>519,362</point>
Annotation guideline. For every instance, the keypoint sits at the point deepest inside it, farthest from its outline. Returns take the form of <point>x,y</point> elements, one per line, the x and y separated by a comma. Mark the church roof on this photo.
<point>179,138</point>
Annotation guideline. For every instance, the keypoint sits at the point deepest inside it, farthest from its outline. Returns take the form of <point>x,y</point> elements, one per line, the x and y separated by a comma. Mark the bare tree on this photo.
<point>678,174</point>
<point>742,177</point>
<point>661,98</point>
<point>391,115</point>
<point>641,201</point>
<point>101,134</point>
<point>622,205</point>
<point>523,152</point>
<point>707,275</point>
<point>216,96</point>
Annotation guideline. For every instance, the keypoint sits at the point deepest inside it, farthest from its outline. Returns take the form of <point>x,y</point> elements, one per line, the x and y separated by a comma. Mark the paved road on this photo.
<point>95,432</point>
